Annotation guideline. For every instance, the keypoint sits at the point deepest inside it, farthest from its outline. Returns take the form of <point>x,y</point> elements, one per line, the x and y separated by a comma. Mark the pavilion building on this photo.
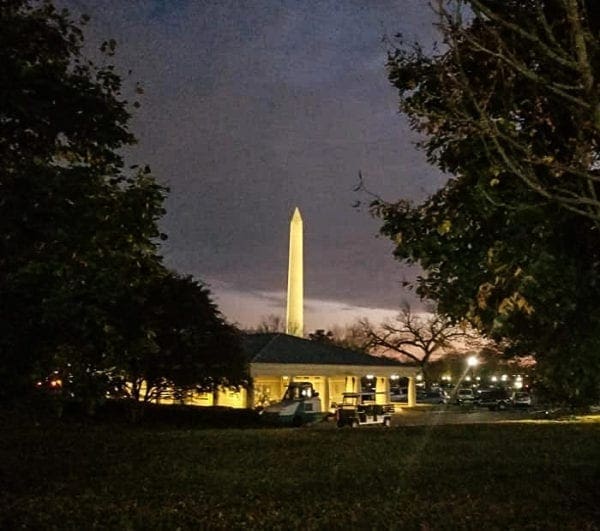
<point>277,359</point>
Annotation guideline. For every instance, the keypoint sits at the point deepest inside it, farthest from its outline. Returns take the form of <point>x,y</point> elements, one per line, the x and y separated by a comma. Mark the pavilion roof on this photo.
<point>284,348</point>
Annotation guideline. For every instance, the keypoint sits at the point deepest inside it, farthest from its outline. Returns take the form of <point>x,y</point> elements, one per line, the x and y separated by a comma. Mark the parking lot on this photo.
<point>437,415</point>
<point>451,414</point>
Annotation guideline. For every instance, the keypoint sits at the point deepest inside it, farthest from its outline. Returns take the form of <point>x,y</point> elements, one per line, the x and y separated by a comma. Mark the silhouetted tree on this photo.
<point>322,336</point>
<point>178,342</point>
<point>415,337</point>
<point>76,228</point>
<point>509,107</point>
<point>271,324</point>
<point>83,291</point>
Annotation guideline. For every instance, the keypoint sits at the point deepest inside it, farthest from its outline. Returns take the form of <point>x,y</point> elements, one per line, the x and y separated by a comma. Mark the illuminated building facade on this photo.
<point>278,359</point>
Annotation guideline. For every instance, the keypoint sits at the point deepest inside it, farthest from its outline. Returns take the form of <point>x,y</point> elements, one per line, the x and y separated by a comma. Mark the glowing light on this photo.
<point>504,377</point>
<point>472,361</point>
<point>294,322</point>
<point>394,377</point>
<point>370,376</point>
<point>419,377</point>
<point>468,378</point>
<point>494,378</point>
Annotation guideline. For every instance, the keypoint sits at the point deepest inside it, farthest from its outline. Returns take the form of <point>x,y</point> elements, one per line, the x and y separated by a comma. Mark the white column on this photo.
<point>412,391</point>
<point>325,402</point>
<point>352,384</point>
<point>382,386</point>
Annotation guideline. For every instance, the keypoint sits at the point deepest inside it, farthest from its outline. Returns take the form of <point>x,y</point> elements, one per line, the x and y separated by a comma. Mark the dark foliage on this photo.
<point>83,293</point>
<point>511,242</point>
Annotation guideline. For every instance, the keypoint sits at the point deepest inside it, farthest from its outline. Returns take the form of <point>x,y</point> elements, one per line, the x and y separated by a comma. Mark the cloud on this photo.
<point>253,108</point>
<point>249,308</point>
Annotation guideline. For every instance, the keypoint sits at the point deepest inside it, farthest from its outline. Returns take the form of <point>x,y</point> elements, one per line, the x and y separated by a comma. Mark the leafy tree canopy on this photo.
<point>176,341</point>
<point>511,241</point>
<point>518,78</point>
<point>82,286</point>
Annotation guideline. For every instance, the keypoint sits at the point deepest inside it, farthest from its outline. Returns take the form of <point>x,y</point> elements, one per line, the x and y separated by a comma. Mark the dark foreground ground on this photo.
<point>81,475</point>
<point>427,415</point>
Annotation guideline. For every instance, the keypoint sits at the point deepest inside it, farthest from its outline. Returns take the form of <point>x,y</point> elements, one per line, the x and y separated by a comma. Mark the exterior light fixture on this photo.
<point>472,361</point>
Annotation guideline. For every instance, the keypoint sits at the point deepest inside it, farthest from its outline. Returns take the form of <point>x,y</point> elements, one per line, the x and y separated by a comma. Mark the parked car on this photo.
<point>464,396</point>
<point>399,394</point>
<point>494,399</point>
<point>521,399</point>
<point>434,396</point>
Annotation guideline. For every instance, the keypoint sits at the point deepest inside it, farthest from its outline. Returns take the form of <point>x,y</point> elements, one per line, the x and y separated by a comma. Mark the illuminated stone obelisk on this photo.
<point>294,322</point>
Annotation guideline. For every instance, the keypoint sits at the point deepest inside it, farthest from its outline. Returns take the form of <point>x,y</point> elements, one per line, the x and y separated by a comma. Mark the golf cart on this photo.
<point>300,405</point>
<point>359,409</point>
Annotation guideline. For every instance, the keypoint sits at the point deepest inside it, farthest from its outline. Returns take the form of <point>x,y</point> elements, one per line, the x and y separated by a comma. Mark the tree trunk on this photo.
<point>425,374</point>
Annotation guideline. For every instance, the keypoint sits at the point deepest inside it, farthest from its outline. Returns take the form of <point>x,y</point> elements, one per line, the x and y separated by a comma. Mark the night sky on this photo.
<point>254,107</point>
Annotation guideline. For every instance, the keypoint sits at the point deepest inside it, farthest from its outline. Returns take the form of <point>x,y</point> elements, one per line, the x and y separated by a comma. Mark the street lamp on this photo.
<point>472,362</point>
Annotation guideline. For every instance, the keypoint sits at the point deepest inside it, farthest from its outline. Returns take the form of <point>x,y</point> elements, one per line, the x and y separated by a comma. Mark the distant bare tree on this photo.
<point>414,336</point>
<point>350,336</point>
<point>322,336</point>
<point>270,324</point>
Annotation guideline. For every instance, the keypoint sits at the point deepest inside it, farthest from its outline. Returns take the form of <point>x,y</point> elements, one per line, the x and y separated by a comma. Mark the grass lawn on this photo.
<point>494,476</point>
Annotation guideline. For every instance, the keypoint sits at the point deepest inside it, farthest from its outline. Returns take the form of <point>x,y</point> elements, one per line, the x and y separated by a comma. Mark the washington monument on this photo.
<point>294,322</point>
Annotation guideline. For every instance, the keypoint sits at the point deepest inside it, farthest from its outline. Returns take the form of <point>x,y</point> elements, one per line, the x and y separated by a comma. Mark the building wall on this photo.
<point>225,398</point>
<point>268,389</point>
<point>329,381</point>
<point>337,386</point>
<point>232,398</point>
